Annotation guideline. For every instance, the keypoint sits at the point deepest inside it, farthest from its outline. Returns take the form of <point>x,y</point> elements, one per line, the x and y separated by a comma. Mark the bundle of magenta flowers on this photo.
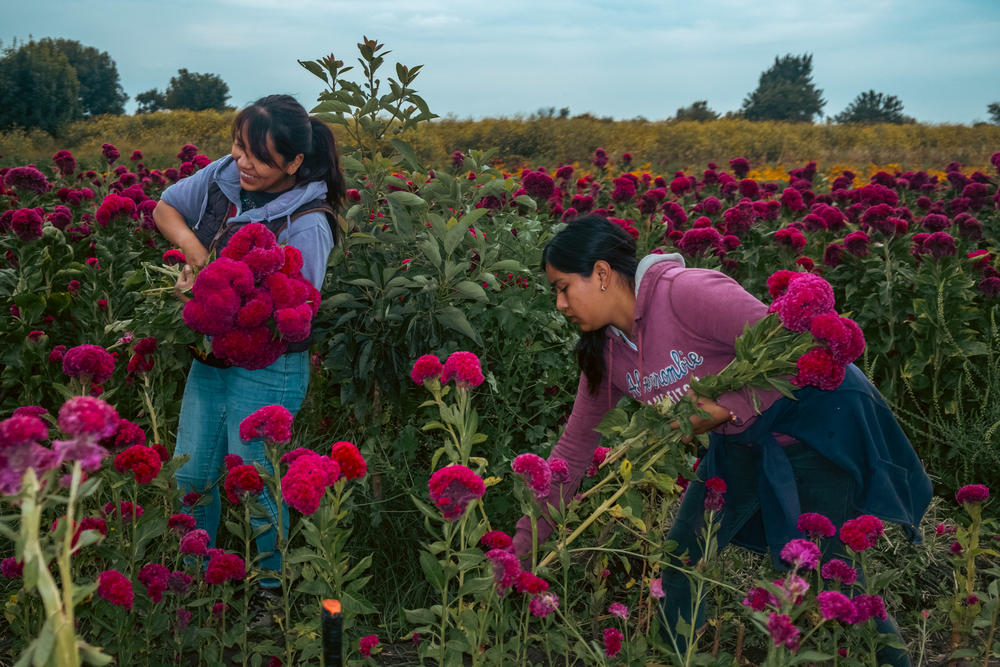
<point>253,300</point>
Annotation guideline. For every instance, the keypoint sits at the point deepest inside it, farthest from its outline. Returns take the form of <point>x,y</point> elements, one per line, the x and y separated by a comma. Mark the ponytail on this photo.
<point>322,162</point>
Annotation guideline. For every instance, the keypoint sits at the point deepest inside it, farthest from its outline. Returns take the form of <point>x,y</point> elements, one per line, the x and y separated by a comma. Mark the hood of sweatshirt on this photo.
<point>227,177</point>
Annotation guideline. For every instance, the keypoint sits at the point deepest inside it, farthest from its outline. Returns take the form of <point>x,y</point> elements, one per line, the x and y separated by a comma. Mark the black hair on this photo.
<point>293,131</point>
<point>575,249</point>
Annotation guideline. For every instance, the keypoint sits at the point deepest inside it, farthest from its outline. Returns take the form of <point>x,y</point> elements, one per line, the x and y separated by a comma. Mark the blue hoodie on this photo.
<point>310,233</point>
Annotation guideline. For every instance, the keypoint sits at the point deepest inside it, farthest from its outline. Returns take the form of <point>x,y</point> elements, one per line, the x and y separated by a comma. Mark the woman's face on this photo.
<point>579,298</point>
<point>257,175</point>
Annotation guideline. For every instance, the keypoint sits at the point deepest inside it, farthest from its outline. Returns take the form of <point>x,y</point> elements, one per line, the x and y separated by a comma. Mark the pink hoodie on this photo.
<point>686,322</point>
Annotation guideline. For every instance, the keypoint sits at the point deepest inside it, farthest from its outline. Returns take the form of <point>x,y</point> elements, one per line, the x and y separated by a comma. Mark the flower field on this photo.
<point>441,376</point>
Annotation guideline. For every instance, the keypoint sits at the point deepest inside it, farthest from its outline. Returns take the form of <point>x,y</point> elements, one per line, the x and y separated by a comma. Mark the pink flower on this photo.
<point>972,494</point>
<point>367,644</point>
<point>656,588</point>
<point>793,588</point>
<point>619,610</point>
<point>181,523</point>
<point>183,620</point>
<point>303,485</point>
<point>126,435</point>
<point>543,604</point>
<point>89,363</point>
<point>818,368</point>
<point>453,487</point>
<point>426,368</point>
<point>141,461</point>
<point>806,296</point>
<point>506,567</point>
<point>242,481</point>
<point>945,529</point>
<point>26,223</point>
<point>271,422</point>
<point>600,454</point>
<point>223,566</point>
<point>777,282</point>
<point>126,509</point>
<point>612,642</point>
<point>869,606</point>
<point>496,539</point>
<point>758,598</point>
<point>801,554</point>
<point>815,525</point>
<point>230,461</point>
<point>114,587</point>
<point>174,257</point>
<point>347,456</point>
<point>780,627</point>
<point>464,368</point>
<point>115,207</point>
<point>560,470</point>
<point>20,450</point>
<point>861,533</point>
<point>11,568</point>
<point>536,472</point>
<point>843,336</point>
<point>195,543</point>
<point>836,606</point>
<point>155,577</point>
<point>529,583</point>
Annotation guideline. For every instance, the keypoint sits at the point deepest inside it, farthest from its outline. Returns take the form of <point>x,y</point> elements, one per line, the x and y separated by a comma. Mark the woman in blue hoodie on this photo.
<point>284,172</point>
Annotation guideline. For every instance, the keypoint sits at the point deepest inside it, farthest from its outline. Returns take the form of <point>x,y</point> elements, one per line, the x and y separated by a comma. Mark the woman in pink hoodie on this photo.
<point>647,329</point>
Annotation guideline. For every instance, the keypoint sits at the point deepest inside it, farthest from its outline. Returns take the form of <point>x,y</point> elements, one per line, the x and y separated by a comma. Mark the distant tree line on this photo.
<point>51,82</point>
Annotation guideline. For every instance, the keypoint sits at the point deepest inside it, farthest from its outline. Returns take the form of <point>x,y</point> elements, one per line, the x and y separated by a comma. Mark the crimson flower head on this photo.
<point>115,587</point>
<point>464,368</point>
<point>801,554</point>
<point>174,257</point>
<point>612,642</point>
<point>195,543</point>
<point>426,368</point>
<point>303,484</point>
<point>543,604</point>
<point>26,223</point>
<point>115,207</point>
<point>600,454</point>
<point>346,455</point>
<point>806,296</point>
<point>782,631</point>
<point>223,566</point>
<point>815,525</point>
<point>496,539</point>
<point>535,471</point>
<point>837,570</point>
<point>715,487</point>
<point>110,153</point>
<point>506,567</point>
<point>11,568</point>
<point>182,524</point>
<point>740,166</point>
<point>143,462</point>
<point>453,487</point>
<point>834,605</point>
<point>861,533</point>
<point>366,644</point>
<point>271,422</point>
<point>818,368</point>
<point>758,598</point>
<point>65,162</point>
<point>972,494</point>
<point>527,582</point>
<point>88,416</point>
<point>242,481</point>
<point>88,363</point>
<point>156,578</point>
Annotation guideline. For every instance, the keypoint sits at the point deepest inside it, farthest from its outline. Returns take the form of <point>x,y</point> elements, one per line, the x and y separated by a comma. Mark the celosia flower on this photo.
<point>782,631</point>
<point>183,620</point>
<point>527,582</point>
<point>347,456</point>
<point>179,583</point>
<point>715,487</point>
<point>366,644</point>
<point>801,554</point>
<point>695,242</point>
<point>815,525</point>
<point>656,588</point>
<point>26,223</point>
<point>155,577</point>
<point>806,296</point>
<point>110,153</point>
<point>65,162</point>
<point>612,642</point>
<point>945,529</point>
<point>856,243</point>
<point>230,461</point>
<point>955,549</point>
<point>303,485</point>
<point>28,179</point>
<point>453,487</point>
<point>195,543</point>
<point>88,363</point>
<point>20,450</point>
<point>543,604</point>
<point>181,523</point>
<point>114,587</point>
<point>223,566</point>
<point>559,469</point>
<point>600,454</point>
<point>972,494</point>
<point>535,471</point>
<point>496,539</point>
<point>793,588</point>
<point>619,610</point>
<point>115,207</point>
<point>757,598</point>
<point>861,533</point>
<point>464,368</point>
<point>426,368</point>
<point>141,461</point>
<point>842,334</point>
<point>126,509</point>
<point>836,606</point>
<point>127,434</point>
<point>271,422</point>
<point>11,568</point>
<point>777,282</point>
<point>506,567</point>
<point>869,606</point>
<point>938,245</point>
<point>242,481</point>
<point>818,368</point>
<point>540,185</point>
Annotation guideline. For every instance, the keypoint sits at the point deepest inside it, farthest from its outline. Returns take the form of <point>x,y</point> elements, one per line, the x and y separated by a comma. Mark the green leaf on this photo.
<point>404,198</point>
<point>406,151</point>
<point>471,290</point>
<point>432,570</point>
<point>420,616</point>
<point>455,319</point>
<point>430,249</point>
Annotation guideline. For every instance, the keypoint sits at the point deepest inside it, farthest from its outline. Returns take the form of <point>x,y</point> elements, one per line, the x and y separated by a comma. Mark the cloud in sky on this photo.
<point>642,58</point>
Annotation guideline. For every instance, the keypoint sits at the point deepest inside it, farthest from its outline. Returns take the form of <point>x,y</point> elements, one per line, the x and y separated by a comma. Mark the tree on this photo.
<point>191,90</point>
<point>785,92</point>
<point>100,87</point>
<point>38,87</point>
<point>872,107</point>
<point>994,110</point>
<point>699,111</point>
<point>149,101</point>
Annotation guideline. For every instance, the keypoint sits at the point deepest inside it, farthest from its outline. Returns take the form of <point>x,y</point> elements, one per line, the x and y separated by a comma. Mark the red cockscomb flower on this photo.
<point>88,363</point>
<point>242,481</point>
<point>861,533</point>
<point>143,462</point>
<point>347,456</point>
<point>535,471</point>
<point>271,422</point>
<point>115,587</point>
<point>427,367</point>
<point>453,487</point>
<point>464,368</point>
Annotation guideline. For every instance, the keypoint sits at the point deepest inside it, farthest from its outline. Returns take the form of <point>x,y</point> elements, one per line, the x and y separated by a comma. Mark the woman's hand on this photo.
<point>185,281</point>
<point>716,415</point>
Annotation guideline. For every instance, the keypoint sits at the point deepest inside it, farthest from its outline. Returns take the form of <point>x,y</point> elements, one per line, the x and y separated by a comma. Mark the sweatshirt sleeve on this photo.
<point>576,446</point>
<point>312,236</point>
<point>190,194</point>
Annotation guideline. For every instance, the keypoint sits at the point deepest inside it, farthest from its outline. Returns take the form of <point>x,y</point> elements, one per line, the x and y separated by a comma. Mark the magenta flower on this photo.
<point>538,184</point>
<point>174,257</point>
<point>818,368</point>
<point>807,296</point>
<point>715,487</point>
<point>181,524</point>
<point>496,539</point>
<point>20,450</point>
<point>243,481</point>
<point>861,533</point>
<point>506,567</point>
<point>543,604</point>
<point>65,162</point>
<point>271,422</point>
<point>143,462</point>
<point>453,487</point>
<point>972,494</point>
<point>656,588</point>
<point>26,223</point>
<point>114,587</point>
<point>841,334</point>
<point>11,568</point>
<point>600,454</point>
<point>527,582</point>
<point>815,525</point>
<point>560,470</point>
<point>179,582</point>
<point>223,566</point>
<point>155,577</point>
<point>464,368</point>
<point>535,471</point>
<point>426,368</point>
<point>869,606</point>
<point>88,363</point>
<point>195,543</point>
<point>28,179</point>
<point>303,484</point>
<point>612,642</point>
<point>836,606</point>
<point>366,644</point>
<point>619,610</point>
<point>758,598</point>
<point>782,631</point>
<point>801,554</point>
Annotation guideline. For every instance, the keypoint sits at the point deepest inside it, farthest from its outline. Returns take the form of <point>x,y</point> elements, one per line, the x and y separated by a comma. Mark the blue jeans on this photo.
<point>822,487</point>
<point>215,401</point>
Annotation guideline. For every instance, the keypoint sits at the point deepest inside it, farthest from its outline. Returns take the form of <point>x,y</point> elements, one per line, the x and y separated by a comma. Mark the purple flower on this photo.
<point>815,525</point>
<point>619,610</point>
<point>972,494</point>
<point>782,631</point>
<point>560,470</point>
<point>28,179</point>
<point>856,243</point>
<point>506,567</point>
<point>715,487</point>
<point>656,588</point>
<point>938,245</point>
<point>836,606</point>
<point>543,604</point>
<point>758,598</point>
<point>869,606</point>
<point>801,553</point>
<point>195,543</point>
<point>837,570</point>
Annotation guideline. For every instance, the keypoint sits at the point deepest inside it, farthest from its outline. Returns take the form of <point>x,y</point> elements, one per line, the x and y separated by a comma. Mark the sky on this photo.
<point>623,59</point>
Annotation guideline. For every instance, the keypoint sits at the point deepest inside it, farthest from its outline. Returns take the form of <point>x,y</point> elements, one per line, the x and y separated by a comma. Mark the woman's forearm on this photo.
<point>174,228</point>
